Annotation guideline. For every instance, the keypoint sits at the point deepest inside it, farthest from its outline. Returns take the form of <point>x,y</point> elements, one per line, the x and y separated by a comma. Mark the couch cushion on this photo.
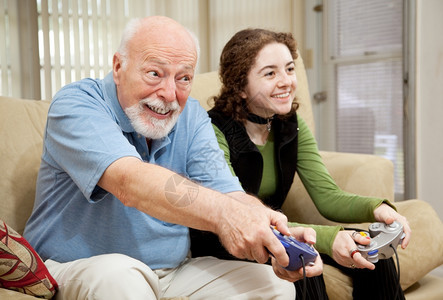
<point>429,288</point>
<point>21,269</point>
<point>204,87</point>
<point>22,124</point>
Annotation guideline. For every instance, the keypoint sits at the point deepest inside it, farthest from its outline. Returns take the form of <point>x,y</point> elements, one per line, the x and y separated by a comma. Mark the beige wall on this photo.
<point>429,93</point>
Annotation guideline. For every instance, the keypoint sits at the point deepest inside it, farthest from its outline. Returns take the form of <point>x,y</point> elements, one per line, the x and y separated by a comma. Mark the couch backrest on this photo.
<point>22,123</point>
<point>207,85</point>
<point>22,126</point>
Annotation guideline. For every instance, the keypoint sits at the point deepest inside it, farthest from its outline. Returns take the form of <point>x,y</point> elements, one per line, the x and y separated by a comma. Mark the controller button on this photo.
<point>393,225</point>
<point>373,252</point>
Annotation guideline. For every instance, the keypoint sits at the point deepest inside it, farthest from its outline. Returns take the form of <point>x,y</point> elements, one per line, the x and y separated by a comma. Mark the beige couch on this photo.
<point>22,124</point>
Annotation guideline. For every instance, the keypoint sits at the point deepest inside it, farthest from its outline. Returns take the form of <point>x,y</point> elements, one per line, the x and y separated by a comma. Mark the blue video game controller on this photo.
<point>384,238</point>
<point>295,249</point>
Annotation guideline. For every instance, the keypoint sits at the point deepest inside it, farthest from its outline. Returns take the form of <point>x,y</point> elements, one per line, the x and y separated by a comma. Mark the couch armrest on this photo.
<point>6,294</point>
<point>370,175</point>
<point>362,174</point>
<point>425,250</point>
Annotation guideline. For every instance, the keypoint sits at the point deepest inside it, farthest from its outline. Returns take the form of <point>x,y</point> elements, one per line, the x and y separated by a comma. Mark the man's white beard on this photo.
<point>149,126</point>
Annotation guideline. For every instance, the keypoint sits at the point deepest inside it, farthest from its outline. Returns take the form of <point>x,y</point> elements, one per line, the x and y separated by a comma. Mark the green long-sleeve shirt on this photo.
<point>332,202</point>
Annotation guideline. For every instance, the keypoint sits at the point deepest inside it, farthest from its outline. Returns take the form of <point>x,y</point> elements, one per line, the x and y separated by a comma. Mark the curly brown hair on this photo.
<point>236,60</point>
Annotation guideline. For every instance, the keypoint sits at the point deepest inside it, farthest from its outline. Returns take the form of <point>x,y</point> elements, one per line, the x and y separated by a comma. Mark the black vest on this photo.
<point>247,163</point>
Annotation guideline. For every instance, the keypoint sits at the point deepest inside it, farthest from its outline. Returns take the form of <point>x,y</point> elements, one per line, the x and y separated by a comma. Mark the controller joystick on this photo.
<point>295,249</point>
<point>383,238</point>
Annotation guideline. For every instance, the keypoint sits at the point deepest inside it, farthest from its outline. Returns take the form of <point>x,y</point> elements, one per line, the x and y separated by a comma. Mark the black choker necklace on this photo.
<point>260,120</point>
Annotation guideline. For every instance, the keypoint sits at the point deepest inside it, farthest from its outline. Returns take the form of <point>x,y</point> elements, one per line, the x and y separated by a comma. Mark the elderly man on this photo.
<point>123,177</point>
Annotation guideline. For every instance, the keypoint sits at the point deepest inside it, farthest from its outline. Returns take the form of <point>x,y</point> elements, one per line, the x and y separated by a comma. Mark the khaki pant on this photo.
<point>117,276</point>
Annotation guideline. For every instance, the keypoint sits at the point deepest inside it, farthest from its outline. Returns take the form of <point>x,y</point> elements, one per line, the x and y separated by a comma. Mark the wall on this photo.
<point>429,98</point>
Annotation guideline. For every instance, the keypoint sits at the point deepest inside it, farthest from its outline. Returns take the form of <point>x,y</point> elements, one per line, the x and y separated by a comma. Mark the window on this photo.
<point>364,55</point>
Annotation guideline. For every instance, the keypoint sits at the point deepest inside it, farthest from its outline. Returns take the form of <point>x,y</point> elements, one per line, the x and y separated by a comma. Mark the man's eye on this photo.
<point>153,73</point>
<point>185,80</point>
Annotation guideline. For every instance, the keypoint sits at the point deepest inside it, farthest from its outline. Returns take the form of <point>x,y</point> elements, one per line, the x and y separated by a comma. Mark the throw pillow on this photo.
<point>21,268</point>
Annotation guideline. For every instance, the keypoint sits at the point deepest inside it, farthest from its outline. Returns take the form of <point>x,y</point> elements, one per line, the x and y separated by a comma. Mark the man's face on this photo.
<point>154,81</point>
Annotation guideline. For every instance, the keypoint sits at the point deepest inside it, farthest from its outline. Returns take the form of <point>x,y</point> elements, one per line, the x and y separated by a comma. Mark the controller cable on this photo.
<point>398,271</point>
<point>304,276</point>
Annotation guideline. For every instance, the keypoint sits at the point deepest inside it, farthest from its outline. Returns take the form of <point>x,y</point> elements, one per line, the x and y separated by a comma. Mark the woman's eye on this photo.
<point>270,73</point>
<point>291,69</point>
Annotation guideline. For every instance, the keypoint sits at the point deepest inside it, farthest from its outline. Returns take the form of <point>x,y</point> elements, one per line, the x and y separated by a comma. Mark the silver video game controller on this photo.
<point>384,239</point>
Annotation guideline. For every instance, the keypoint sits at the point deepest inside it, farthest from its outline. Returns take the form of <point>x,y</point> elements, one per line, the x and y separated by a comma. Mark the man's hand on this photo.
<point>243,228</point>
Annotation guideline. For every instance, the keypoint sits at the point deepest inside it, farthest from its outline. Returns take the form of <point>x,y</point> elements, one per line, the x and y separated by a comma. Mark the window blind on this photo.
<point>366,27</point>
<point>365,48</point>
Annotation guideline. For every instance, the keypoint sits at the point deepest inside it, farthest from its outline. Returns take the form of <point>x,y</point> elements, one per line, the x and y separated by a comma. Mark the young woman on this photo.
<point>266,143</point>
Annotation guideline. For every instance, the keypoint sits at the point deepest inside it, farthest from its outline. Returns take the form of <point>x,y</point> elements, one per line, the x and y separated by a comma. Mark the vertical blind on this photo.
<point>366,49</point>
<point>75,40</point>
<point>7,43</point>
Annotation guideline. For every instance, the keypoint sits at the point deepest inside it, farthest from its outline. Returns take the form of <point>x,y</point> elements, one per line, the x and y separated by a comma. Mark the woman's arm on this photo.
<point>332,202</point>
<point>325,234</point>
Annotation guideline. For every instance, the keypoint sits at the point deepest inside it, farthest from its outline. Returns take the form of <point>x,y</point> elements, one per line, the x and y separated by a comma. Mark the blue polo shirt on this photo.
<point>86,131</point>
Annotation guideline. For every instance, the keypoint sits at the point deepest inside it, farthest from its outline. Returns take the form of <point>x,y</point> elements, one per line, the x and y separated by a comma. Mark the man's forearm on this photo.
<point>166,195</point>
<point>245,198</point>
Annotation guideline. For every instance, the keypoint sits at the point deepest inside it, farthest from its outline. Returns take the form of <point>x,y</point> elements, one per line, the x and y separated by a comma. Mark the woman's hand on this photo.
<point>293,276</point>
<point>344,249</point>
<point>306,235</point>
<point>386,214</point>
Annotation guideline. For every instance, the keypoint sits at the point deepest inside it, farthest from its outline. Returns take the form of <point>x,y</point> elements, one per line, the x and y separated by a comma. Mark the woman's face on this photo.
<point>271,82</point>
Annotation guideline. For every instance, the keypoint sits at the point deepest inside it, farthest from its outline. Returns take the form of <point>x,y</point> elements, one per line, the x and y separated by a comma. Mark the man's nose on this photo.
<point>167,91</point>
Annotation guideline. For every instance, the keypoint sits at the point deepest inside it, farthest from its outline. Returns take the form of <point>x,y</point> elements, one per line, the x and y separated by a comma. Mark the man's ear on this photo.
<point>116,66</point>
